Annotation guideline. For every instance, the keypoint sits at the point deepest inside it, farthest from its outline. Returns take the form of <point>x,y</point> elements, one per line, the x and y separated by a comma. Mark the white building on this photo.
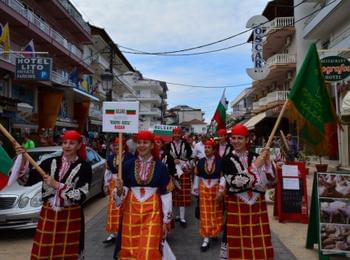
<point>150,93</point>
<point>328,26</point>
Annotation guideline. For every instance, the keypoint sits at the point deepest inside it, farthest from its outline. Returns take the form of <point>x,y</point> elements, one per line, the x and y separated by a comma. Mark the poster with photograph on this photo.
<point>334,209</point>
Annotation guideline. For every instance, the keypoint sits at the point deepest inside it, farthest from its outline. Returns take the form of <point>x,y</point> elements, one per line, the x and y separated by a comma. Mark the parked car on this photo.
<point>20,205</point>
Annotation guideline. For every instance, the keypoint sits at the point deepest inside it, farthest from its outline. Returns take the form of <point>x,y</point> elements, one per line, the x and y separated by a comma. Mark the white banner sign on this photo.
<point>120,117</point>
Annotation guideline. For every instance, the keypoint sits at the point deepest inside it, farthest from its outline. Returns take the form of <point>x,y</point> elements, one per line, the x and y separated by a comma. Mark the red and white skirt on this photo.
<point>182,197</point>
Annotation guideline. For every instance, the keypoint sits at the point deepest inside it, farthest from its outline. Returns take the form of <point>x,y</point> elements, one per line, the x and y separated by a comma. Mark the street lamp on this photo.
<point>107,82</point>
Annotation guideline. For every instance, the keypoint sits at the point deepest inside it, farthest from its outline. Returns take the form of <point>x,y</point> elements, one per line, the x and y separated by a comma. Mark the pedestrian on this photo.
<point>209,185</point>
<point>224,148</point>
<point>27,142</point>
<point>198,151</point>
<point>143,193</point>
<point>181,152</point>
<point>247,232</point>
<point>292,149</point>
<point>111,175</point>
<point>60,230</point>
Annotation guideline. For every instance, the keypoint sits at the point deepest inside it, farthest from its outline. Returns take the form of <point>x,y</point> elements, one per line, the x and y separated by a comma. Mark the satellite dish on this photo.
<point>258,73</point>
<point>257,20</point>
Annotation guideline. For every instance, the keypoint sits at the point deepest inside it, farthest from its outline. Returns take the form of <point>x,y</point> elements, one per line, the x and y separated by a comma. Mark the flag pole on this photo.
<point>278,121</point>
<point>26,155</point>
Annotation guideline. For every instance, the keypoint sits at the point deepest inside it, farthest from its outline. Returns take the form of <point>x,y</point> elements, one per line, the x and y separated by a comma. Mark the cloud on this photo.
<point>162,25</point>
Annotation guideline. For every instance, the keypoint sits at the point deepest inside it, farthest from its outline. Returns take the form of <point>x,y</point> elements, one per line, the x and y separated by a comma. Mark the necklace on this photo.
<point>212,167</point>
<point>149,172</point>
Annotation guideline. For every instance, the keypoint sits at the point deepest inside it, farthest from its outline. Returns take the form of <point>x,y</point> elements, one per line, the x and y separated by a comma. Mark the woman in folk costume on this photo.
<point>224,147</point>
<point>209,184</point>
<point>247,175</point>
<point>146,201</point>
<point>111,174</point>
<point>60,230</point>
<point>181,152</point>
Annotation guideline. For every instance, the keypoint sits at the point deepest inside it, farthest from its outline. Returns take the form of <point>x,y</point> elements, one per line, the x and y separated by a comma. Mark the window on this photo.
<point>92,157</point>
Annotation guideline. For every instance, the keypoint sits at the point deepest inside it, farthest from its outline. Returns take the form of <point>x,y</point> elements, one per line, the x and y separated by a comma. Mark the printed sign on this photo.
<point>120,117</point>
<point>334,211</point>
<point>33,69</point>
<point>164,130</point>
<point>335,68</point>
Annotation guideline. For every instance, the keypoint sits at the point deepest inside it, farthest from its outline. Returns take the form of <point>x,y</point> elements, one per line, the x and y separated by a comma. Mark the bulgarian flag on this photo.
<point>219,118</point>
<point>5,166</point>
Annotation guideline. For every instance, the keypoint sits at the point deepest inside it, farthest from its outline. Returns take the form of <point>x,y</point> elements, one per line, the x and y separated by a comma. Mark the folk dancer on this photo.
<point>209,184</point>
<point>224,147</point>
<point>247,176</point>
<point>181,152</point>
<point>60,230</point>
<point>146,201</point>
<point>111,174</point>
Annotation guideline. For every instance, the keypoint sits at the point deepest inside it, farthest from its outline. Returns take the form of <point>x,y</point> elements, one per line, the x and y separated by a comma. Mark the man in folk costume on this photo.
<point>247,175</point>
<point>209,184</point>
<point>146,201</point>
<point>111,174</point>
<point>224,148</point>
<point>60,230</point>
<point>181,152</point>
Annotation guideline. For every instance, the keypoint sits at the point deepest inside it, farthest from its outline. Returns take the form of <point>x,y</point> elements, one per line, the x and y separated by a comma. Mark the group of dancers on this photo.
<point>152,191</point>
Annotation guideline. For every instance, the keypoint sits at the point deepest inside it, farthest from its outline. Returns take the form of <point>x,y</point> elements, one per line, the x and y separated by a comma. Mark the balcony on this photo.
<point>270,100</point>
<point>151,112</point>
<point>149,98</point>
<point>278,35</point>
<point>58,78</point>
<point>46,32</point>
<point>281,59</point>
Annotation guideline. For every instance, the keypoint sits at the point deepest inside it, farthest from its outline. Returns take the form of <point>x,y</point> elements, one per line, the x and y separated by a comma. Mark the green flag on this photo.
<point>5,166</point>
<point>311,99</point>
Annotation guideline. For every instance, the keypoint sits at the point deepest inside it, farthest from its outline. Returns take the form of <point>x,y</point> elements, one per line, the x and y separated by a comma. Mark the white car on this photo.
<point>20,205</point>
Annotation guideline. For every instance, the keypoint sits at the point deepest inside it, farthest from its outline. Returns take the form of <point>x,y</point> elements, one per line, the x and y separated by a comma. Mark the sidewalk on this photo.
<point>185,243</point>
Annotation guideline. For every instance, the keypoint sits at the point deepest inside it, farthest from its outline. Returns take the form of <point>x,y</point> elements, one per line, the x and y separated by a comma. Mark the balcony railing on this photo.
<point>281,22</point>
<point>270,99</point>
<point>283,58</point>
<point>43,26</point>
<point>143,97</point>
<point>75,14</point>
<point>60,79</point>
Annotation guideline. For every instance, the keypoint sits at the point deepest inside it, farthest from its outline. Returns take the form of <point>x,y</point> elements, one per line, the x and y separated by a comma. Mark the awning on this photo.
<point>67,124</point>
<point>345,106</point>
<point>85,94</point>
<point>250,124</point>
<point>95,122</point>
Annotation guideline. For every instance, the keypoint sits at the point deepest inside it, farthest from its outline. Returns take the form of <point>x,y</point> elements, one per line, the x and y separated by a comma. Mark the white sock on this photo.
<point>206,239</point>
<point>182,213</point>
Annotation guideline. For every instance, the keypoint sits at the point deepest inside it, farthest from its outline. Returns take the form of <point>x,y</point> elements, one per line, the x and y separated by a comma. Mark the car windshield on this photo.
<point>39,156</point>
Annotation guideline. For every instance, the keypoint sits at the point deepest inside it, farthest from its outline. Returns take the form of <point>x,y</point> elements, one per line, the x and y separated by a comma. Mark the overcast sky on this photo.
<point>167,25</point>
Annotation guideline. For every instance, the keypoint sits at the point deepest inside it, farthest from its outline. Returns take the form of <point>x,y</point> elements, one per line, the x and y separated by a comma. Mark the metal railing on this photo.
<point>282,58</point>
<point>43,26</point>
<point>75,14</point>
<point>60,79</point>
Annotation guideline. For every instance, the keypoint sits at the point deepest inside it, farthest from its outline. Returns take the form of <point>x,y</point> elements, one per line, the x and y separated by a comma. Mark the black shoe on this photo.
<point>204,246</point>
<point>177,219</point>
<point>183,223</point>
<point>110,239</point>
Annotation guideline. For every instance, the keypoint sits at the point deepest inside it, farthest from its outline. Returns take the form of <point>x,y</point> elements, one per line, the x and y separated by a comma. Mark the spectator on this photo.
<point>27,143</point>
<point>292,149</point>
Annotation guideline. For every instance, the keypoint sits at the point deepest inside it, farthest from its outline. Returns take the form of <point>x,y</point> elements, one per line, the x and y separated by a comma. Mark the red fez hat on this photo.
<point>145,135</point>
<point>239,129</point>
<point>158,138</point>
<point>222,132</point>
<point>177,130</point>
<point>72,135</point>
<point>210,142</point>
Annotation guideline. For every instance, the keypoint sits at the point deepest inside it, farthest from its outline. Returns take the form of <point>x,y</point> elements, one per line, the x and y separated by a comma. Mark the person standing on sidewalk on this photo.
<point>181,152</point>
<point>146,201</point>
<point>60,230</point>
<point>247,175</point>
<point>209,185</point>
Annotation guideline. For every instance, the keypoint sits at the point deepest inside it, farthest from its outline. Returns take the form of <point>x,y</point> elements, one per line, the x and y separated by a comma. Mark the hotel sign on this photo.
<point>335,68</point>
<point>120,117</point>
<point>33,69</point>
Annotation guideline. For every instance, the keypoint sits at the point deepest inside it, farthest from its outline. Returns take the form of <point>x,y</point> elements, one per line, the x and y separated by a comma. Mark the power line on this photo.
<point>200,46</point>
<point>138,52</point>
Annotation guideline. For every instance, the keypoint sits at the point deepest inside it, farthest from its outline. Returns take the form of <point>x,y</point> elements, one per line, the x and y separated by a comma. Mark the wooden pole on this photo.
<point>278,121</point>
<point>26,155</point>
<point>120,157</point>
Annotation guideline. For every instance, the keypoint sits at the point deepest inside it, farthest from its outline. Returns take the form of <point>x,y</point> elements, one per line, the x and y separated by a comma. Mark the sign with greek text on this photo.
<point>335,68</point>
<point>33,69</point>
<point>120,117</point>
